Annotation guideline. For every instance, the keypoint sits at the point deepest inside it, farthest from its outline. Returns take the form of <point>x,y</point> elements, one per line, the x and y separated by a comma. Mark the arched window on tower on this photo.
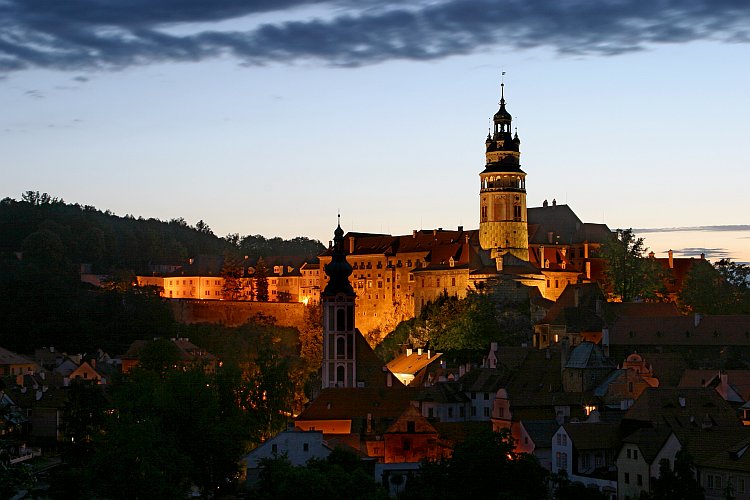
<point>340,375</point>
<point>340,348</point>
<point>340,319</point>
<point>517,213</point>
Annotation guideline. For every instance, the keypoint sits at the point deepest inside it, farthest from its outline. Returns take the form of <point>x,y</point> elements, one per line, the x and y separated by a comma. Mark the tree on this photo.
<point>678,483</point>
<point>261,280</point>
<point>232,271</point>
<point>628,274</point>
<point>341,475</point>
<point>203,228</point>
<point>483,466</point>
<point>83,419</point>
<point>723,288</point>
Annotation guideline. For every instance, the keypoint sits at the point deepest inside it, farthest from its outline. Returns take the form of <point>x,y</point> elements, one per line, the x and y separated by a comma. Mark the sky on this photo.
<point>271,117</point>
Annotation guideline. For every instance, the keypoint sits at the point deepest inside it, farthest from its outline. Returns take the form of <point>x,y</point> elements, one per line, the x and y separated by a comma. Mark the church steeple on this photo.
<point>338,299</point>
<point>503,222</point>
<point>338,270</point>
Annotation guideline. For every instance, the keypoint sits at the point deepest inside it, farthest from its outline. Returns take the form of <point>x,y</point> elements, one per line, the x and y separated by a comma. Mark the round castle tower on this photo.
<point>502,197</point>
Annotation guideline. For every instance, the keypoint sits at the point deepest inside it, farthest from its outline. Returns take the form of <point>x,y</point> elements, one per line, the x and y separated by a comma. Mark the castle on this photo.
<point>521,250</point>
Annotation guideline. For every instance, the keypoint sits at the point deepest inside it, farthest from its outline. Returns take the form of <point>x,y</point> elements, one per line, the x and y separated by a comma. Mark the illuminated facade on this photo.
<point>546,247</point>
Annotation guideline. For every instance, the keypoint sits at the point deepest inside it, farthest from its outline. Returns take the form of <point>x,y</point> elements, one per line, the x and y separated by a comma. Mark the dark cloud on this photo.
<point>709,253</point>
<point>738,227</point>
<point>108,34</point>
<point>34,94</point>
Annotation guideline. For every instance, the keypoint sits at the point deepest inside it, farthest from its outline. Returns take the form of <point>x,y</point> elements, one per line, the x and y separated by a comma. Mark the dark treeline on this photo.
<point>78,234</point>
<point>43,241</point>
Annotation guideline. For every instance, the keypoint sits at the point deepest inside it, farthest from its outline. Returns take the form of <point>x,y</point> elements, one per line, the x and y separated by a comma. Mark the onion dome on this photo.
<point>338,270</point>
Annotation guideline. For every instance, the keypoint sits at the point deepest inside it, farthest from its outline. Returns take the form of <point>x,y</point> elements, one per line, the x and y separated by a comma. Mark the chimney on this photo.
<point>703,256</point>
<point>554,202</point>
<point>419,351</point>
<point>429,354</point>
<point>460,228</point>
<point>351,244</point>
<point>408,351</point>
<point>414,233</point>
<point>545,204</point>
<point>671,259</point>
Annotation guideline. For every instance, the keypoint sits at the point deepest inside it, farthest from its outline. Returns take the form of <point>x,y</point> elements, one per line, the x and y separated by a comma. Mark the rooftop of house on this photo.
<point>485,379</point>
<point>541,431</point>
<point>739,380</point>
<point>413,361</point>
<point>11,358</point>
<point>577,308</point>
<point>565,226</point>
<point>442,393</point>
<point>589,356</point>
<point>383,405</point>
<point>649,440</point>
<point>725,449</point>
<point>683,408</point>
<point>593,435</point>
<point>693,330</point>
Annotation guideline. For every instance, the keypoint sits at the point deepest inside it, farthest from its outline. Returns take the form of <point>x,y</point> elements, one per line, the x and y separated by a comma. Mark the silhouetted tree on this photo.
<point>483,466</point>
<point>628,273</point>
<point>719,289</point>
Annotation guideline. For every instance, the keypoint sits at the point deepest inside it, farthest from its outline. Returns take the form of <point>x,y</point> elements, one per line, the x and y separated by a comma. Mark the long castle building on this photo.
<point>516,248</point>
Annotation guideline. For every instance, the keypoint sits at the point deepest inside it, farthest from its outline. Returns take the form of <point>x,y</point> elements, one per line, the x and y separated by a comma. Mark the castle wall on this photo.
<point>236,313</point>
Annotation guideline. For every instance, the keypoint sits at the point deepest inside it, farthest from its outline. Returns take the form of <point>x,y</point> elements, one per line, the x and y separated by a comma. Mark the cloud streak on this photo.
<point>84,35</point>
<point>737,227</point>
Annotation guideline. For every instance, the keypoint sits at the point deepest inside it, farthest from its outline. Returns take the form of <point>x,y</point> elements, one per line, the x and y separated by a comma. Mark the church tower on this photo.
<point>502,197</point>
<point>339,353</point>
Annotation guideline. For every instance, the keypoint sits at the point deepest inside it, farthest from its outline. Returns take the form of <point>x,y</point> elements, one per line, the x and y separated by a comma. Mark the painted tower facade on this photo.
<point>502,196</point>
<point>338,298</point>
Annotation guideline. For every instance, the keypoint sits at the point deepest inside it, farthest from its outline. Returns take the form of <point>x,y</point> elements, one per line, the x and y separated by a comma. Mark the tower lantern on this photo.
<point>502,196</point>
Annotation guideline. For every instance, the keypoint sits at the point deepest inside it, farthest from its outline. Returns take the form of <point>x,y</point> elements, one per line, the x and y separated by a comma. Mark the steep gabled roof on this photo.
<point>442,393</point>
<point>541,431</point>
<point>593,435</point>
<point>588,355</point>
<point>485,380</point>
<point>683,408</point>
<point>649,440</point>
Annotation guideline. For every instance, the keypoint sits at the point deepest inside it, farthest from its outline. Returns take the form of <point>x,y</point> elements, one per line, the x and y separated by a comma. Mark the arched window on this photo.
<point>340,319</point>
<point>340,374</point>
<point>340,347</point>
